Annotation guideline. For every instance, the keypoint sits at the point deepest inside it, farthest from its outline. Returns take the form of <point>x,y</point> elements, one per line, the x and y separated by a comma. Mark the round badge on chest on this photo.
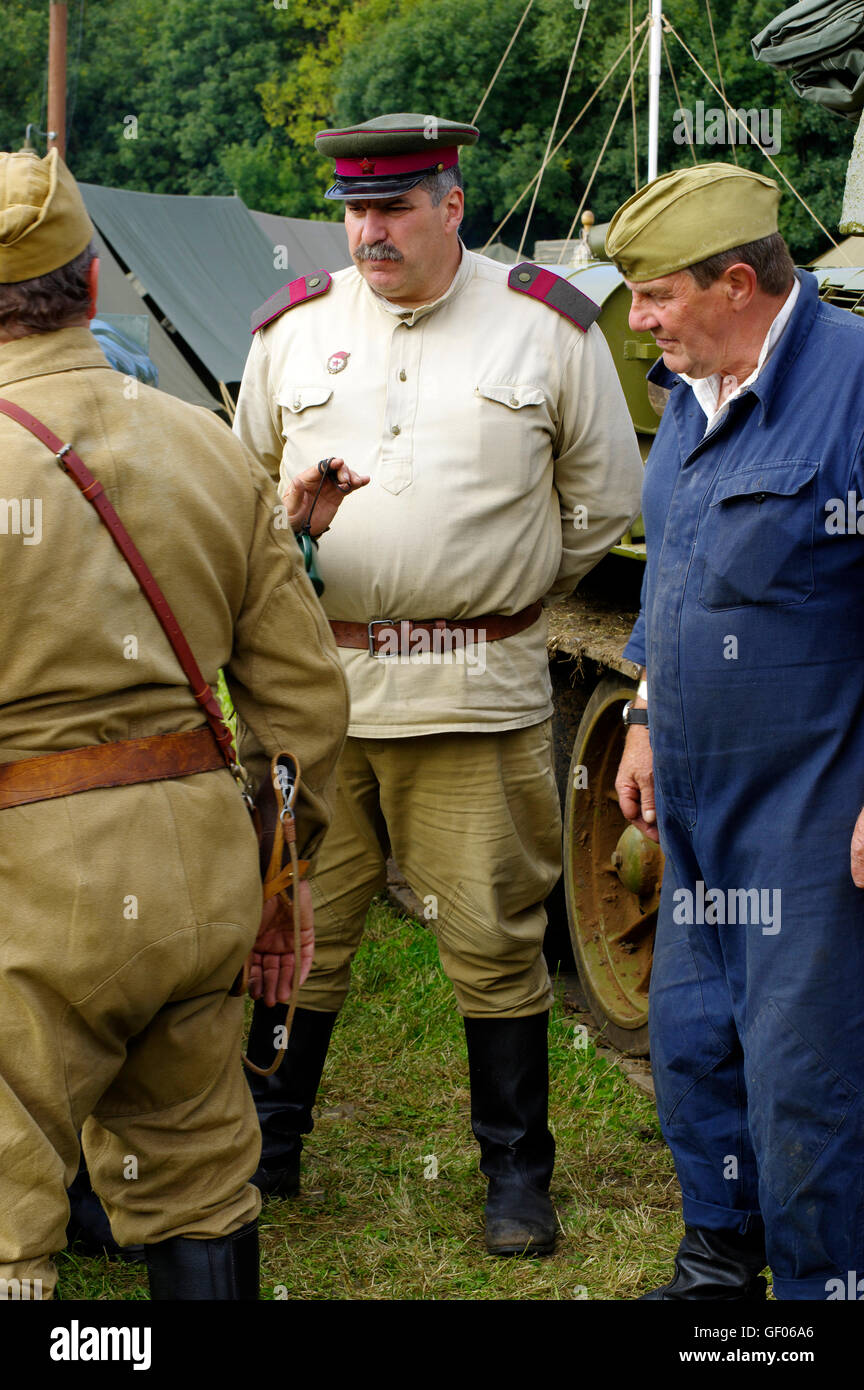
<point>337,362</point>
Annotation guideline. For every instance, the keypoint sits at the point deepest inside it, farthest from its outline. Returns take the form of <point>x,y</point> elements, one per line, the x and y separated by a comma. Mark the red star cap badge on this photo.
<point>368,166</point>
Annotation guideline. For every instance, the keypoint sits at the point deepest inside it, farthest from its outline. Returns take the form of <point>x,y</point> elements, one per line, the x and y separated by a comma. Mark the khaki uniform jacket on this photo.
<point>84,659</point>
<point>128,911</point>
<point>503,464</point>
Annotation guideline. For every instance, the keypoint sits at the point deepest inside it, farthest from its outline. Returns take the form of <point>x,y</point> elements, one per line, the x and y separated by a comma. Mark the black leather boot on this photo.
<point>284,1101</point>
<point>509,1072</point>
<point>88,1228</point>
<point>226,1267</point>
<point>721,1266</point>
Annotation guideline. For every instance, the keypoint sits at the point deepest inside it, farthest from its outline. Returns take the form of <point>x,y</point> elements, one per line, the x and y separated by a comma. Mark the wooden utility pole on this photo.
<point>57,78</point>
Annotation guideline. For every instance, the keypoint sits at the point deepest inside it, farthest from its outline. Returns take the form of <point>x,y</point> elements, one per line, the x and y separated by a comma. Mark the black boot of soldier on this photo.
<point>284,1101</point>
<point>183,1268</point>
<point>88,1229</point>
<point>509,1072</point>
<point>721,1266</point>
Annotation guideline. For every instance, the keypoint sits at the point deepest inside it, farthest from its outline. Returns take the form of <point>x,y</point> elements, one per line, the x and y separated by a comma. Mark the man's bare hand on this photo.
<point>857,855</point>
<point>635,782</point>
<point>301,490</point>
<point>272,964</point>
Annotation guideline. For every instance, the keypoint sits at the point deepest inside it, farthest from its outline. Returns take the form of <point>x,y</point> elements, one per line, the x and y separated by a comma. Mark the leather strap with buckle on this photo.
<point>488,627</point>
<point>277,833</point>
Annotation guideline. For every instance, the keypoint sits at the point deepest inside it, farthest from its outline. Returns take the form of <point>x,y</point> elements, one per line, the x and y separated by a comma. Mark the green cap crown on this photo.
<point>688,215</point>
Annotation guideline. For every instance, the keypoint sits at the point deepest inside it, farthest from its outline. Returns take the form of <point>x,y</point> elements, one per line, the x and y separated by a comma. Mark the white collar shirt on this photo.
<point>707,389</point>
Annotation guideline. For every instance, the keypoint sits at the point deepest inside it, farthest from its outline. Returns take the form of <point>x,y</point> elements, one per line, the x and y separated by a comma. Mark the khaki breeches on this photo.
<point>126,915</point>
<point>474,823</point>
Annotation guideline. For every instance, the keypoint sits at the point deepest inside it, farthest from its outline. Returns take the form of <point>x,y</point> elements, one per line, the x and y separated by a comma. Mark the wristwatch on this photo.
<point>634,716</point>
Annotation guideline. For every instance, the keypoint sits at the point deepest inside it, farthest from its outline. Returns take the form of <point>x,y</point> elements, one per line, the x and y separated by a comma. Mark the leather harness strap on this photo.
<point>95,493</point>
<point>395,634</point>
<point>276,833</point>
<point>119,764</point>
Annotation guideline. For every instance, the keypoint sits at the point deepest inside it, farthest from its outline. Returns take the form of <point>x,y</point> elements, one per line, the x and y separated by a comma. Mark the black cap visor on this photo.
<point>386,186</point>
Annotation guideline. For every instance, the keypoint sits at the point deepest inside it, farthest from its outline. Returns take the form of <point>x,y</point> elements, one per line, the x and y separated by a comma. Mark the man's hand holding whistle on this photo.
<point>303,489</point>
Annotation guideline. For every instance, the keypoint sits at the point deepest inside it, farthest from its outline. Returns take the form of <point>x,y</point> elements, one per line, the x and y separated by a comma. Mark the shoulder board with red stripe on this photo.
<point>555,291</point>
<point>290,295</point>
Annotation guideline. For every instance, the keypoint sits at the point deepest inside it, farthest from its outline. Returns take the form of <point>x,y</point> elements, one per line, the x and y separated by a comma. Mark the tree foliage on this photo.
<point>441,57</point>
<point>211,96</point>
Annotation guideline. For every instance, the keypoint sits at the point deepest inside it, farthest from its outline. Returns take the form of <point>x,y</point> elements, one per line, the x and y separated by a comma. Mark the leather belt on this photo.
<point>389,632</point>
<point>119,764</point>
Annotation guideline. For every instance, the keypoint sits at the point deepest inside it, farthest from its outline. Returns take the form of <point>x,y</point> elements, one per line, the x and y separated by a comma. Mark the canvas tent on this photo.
<point>849,252</point>
<point>499,251</point>
<point>117,296</point>
<point>204,264</point>
<point>307,245</point>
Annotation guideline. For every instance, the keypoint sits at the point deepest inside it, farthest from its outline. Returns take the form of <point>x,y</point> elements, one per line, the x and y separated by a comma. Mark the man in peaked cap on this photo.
<point>129,876</point>
<point>503,465</point>
<point>752,740</point>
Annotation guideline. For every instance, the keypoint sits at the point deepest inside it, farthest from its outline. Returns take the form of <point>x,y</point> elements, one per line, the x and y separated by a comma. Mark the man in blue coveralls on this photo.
<point>752,636</point>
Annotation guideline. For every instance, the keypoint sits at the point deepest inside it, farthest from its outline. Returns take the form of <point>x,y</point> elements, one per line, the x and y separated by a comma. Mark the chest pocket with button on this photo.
<point>755,538</point>
<point>296,399</point>
<point>509,417</point>
<point>514,397</point>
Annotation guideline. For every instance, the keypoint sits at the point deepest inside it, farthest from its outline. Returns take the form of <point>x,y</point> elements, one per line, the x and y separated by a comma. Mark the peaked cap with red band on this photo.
<point>387,156</point>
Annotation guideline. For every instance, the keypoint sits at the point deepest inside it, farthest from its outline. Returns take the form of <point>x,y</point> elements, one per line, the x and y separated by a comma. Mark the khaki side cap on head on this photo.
<point>43,221</point>
<point>688,215</point>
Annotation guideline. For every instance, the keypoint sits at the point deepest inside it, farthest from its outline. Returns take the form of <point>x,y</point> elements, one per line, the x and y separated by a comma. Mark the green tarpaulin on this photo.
<point>204,261</point>
<point>118,296</point>
<point>306,245</point>
<point>821,43</point>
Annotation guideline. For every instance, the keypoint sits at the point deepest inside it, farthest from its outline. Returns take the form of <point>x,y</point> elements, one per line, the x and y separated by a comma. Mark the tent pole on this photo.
<point>228,403</point>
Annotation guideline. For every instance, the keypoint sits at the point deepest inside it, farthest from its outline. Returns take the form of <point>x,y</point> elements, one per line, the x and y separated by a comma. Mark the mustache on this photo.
<point>379,251</point>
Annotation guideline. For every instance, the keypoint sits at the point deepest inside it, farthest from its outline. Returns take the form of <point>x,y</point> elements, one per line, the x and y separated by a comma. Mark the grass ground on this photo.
<point>374,1223</point>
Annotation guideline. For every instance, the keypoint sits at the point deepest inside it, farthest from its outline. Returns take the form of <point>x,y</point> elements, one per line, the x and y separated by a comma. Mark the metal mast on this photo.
<point>654,51</point>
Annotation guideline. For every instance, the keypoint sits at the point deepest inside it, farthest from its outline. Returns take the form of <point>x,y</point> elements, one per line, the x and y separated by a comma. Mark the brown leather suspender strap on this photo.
<point>93,490</point>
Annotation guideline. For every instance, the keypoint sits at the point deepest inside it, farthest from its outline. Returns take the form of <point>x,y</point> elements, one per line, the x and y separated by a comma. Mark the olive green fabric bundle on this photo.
<point>821,42</point>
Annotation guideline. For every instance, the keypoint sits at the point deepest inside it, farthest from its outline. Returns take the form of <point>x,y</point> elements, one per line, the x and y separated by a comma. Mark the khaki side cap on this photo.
<point>43,221</point>
<point>688,215</point>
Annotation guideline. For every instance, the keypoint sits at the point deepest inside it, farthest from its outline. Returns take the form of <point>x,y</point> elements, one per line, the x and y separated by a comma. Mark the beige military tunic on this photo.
<point>127,912</point>
<point>503,466</point>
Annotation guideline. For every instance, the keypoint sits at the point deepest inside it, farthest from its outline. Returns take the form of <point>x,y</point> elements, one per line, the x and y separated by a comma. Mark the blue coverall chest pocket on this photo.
<point>755,537</point>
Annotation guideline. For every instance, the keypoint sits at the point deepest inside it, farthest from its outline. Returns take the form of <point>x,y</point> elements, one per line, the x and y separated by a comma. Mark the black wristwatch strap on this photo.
<point>634,716</point>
